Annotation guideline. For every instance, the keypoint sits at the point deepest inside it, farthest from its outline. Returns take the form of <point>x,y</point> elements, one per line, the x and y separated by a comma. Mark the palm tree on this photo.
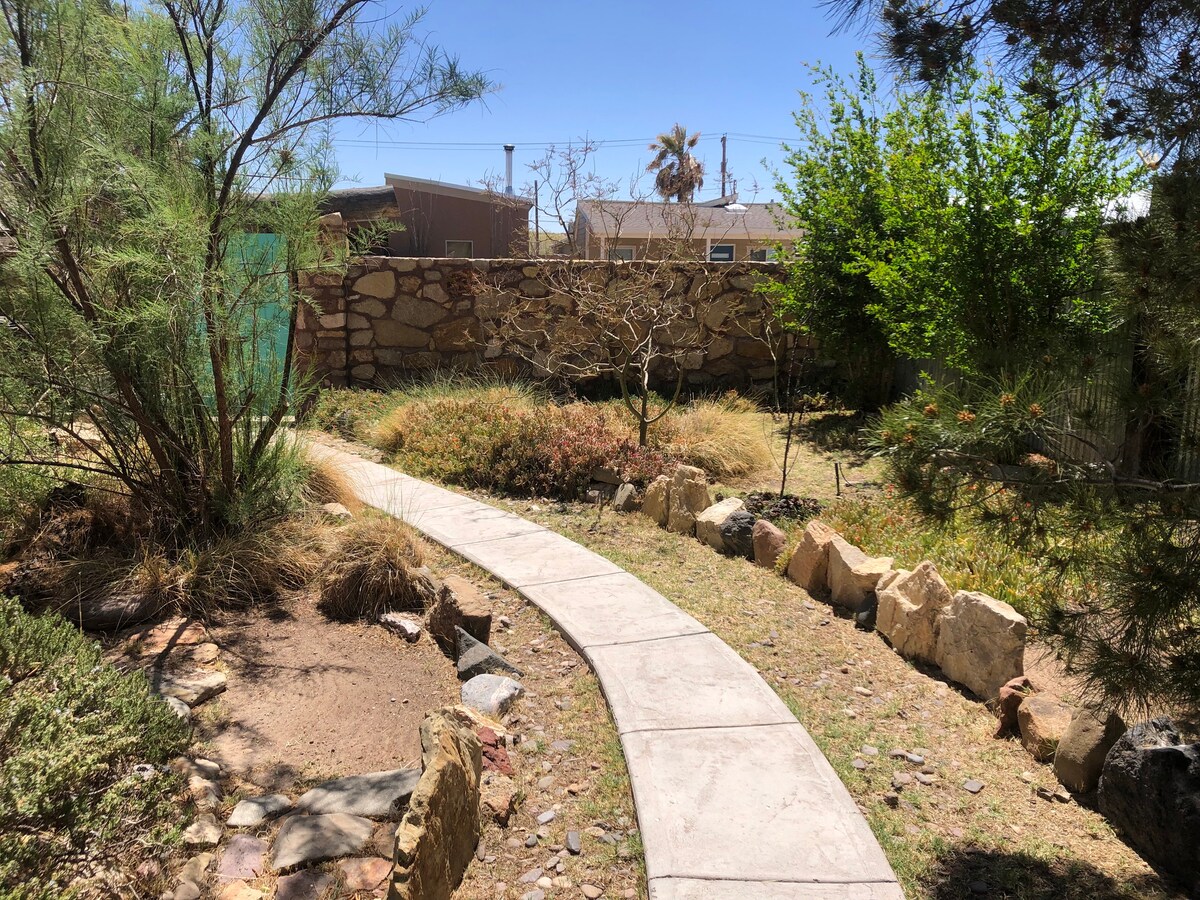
<point>679,173</point>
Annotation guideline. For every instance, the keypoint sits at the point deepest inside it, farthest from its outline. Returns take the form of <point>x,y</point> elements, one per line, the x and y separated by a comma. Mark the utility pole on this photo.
<point>723,138</point>
<point>537,228</point>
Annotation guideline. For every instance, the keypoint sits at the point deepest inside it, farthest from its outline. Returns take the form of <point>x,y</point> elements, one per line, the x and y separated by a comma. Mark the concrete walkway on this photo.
<point>734,800</point>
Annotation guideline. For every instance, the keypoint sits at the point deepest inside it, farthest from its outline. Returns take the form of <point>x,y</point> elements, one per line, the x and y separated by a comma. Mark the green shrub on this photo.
<point>72,728</point>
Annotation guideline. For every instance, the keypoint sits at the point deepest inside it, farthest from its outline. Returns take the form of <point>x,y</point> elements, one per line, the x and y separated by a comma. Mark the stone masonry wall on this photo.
<point>392,316</point>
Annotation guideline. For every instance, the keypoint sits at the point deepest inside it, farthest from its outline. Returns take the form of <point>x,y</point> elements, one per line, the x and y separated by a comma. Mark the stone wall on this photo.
<point>392,316</point>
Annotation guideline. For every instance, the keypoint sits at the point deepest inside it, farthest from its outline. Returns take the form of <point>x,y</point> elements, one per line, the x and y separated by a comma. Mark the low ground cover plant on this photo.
<point>72,729</point>
<point>516,438</point>
<point>968,552</point>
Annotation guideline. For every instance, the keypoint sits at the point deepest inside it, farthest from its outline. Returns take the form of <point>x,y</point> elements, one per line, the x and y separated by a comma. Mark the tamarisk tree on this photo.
<point>142,149</point>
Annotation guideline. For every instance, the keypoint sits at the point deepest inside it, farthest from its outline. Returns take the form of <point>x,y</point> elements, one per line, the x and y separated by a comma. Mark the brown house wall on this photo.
<point>430,219</point>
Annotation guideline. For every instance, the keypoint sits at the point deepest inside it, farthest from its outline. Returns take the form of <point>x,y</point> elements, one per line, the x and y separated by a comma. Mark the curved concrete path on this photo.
<point>734,800</point>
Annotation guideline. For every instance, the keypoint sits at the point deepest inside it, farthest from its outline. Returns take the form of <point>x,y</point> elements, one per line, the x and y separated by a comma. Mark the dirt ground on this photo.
<point>308,698</point>
<point>567,760</point>
<point>860,701</point>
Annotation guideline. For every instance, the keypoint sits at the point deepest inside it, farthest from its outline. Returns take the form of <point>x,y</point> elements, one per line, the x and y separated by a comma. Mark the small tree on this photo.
<point>959,224</point>
<point>143,149</point>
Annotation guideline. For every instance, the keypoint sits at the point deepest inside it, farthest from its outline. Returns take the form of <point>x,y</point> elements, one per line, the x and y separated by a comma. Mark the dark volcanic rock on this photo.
<point>1150,790</point>
<point>737,531</point>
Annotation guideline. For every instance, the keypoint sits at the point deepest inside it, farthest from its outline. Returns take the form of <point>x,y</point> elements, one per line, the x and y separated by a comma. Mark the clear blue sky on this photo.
<point>619,72</point>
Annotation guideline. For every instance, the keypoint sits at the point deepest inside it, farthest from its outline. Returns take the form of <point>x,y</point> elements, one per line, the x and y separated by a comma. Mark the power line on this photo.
<point>476,146</point>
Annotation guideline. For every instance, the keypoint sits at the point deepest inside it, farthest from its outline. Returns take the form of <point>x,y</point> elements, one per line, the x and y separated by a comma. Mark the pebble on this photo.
<point>545,783</point>
<point>925,778</point>
<point>562,746</point>
<point>900,779</point>
<point>973,785</point>
<point>187,891</point>
<point>859,764</point>
<point>574,843</point>
<point>531,841</point>
<point>544,883</point>
<point>591,891</point>
<point>864,692</point>
<point>898,754</point>
<point>868,750</point>
<point>531,876</point>
<point>915,758</point>
<point>547,817</point>
<point>539,894</point>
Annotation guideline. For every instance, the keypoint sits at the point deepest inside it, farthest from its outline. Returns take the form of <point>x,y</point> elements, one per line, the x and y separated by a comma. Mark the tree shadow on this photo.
<point>966,872</point>
<point>836,431</point>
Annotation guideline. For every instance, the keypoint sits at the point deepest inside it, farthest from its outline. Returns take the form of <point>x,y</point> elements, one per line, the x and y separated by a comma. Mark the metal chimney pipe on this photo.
<point>508,159</point>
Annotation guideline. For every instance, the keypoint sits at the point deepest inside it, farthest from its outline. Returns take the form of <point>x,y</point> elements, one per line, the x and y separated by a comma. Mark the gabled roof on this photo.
<point>632,219</point>
<point>462,191</point>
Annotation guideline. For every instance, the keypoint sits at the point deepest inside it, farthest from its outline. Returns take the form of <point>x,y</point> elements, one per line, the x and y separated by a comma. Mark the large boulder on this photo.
<point>1079,759</point>
<point>689,498</point>
<point>437,837</point>
<point>1150,790</point>
<point>854,576</point>
<point>1043,722</point>
<point>768,542</point>
<point>459,604</point>
<point>981,643</point>
<point>657,503</point>
<point>709,522</point>
<point>910,607</point>
<point>809,565</point>
<point>737,532</point>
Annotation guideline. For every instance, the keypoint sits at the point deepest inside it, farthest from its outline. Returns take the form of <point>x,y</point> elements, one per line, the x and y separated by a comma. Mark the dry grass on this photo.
<point>395,428</point>
<point>940,839</point>
<point>727,437</point>
<point>86,557</point>
<point>371,570</point>
<point>324,482</point>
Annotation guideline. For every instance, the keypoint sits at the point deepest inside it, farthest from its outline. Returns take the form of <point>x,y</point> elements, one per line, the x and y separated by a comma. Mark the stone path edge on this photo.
<point>734,798</point>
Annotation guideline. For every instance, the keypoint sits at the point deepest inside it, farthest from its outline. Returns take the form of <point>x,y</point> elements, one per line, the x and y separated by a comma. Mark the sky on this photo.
<point>618,73</point>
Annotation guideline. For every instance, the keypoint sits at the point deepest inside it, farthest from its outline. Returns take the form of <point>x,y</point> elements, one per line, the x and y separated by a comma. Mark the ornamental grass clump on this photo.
<point>372,570</point>
<point>726,437</point>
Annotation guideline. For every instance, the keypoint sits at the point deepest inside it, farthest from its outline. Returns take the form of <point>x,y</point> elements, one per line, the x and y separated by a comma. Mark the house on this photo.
<point>453,220</point>
<point>721,230</point>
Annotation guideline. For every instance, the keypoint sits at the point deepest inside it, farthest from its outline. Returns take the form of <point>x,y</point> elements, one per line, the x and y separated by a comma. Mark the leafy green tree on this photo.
<point>143,148</point>
<point>679,174</point>
<point>959,224</point>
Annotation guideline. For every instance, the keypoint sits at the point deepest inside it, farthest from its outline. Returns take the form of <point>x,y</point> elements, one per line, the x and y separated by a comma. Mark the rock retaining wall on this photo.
<point>390,316</point>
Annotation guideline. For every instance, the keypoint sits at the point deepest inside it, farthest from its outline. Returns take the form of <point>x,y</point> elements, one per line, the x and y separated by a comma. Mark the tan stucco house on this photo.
<point>721,230</point>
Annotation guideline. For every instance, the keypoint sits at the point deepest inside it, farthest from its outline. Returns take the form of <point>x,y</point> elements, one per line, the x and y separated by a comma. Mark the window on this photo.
<point>766,254</point>
<point>460,249</point>
<point>624,253</point>
<point>720,253</point>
